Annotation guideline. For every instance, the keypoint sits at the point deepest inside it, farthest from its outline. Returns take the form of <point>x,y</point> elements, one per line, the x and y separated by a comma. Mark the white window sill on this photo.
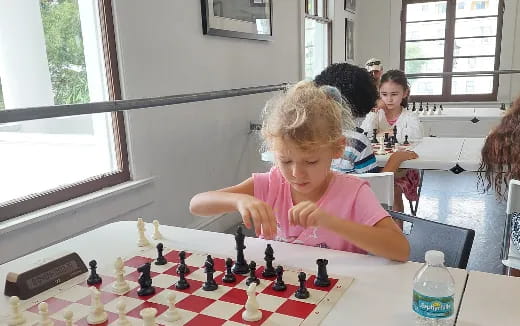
<point>73,205</point>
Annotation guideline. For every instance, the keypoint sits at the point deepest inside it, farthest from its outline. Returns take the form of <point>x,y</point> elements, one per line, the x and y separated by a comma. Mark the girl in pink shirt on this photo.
<point>301,200</point>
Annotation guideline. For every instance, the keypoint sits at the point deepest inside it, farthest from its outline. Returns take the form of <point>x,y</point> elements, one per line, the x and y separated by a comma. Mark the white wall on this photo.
<point>378,29</point>
<point>186,148</point>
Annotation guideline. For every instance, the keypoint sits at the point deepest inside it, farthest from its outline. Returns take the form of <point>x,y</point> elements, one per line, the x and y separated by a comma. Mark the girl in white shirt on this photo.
<point>394,91</point>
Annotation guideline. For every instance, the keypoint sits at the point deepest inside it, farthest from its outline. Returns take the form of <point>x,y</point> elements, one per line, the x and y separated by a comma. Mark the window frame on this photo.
<point>323,19</point>
<point>33,202</point>
<point>449,39</point>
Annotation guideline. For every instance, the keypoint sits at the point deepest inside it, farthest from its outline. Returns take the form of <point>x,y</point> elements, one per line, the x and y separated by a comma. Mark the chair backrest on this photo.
<point>423,235</point>
<point>382,185</point>
<point>511,255</point>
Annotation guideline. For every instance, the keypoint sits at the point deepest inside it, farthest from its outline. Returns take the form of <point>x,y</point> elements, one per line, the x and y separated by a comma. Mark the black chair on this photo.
<point>455,242</point>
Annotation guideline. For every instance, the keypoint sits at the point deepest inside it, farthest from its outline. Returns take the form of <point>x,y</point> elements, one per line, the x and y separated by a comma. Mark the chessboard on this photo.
<point>223,306</point>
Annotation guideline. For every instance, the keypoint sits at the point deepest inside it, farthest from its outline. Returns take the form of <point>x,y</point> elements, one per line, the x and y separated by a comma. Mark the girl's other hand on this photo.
<point>307,214</point>
<point>258,214</point>
<point>402,156</point>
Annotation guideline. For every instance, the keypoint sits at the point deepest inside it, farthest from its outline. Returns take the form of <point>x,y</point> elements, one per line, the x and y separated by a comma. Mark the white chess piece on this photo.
<point>120,286</point>
<point>68,315</point>
<point>97,313</point>
<point>121,310</point>
<point>16,317</point>
<point>142,241</point>
<point>148,316</point>
<point>252,312</point>
<point>381,150</point>
<point>172,314</point>
<point>43,311</point>
<point>156,233</point>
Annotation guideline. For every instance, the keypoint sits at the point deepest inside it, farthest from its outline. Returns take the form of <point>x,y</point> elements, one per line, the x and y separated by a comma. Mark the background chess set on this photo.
<point>223,306</point>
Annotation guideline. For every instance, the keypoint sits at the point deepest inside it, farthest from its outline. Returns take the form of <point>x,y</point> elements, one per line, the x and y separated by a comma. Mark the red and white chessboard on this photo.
<point>223,306</point>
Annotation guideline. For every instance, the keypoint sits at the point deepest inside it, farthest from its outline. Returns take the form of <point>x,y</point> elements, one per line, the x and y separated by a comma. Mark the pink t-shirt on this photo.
<point>347,197</point>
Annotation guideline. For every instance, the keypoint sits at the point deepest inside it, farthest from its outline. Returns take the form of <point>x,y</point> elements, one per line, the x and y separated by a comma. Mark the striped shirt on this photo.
<point>358,156</point>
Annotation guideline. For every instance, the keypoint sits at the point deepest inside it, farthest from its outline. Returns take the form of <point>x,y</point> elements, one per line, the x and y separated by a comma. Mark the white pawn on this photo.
<point>97,313</point>
<point>142,241</point>
<point>148,316</point>
<point>121,310</point>
<point>252,312</point>
<point>43,311</point>
<point>156,233</point>
<point>172,314</point>
<point>68,315</point>
<point>16,317</point>
<point>120,286</point>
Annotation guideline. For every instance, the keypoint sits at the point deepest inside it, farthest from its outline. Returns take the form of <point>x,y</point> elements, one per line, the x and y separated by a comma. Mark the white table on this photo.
<point>442,154</point>
<point>381,293</point>
<point>490,299</point>
<point>463,114</point>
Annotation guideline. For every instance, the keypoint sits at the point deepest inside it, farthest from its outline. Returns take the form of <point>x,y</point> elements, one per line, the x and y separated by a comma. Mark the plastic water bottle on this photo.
<point>433,292</point>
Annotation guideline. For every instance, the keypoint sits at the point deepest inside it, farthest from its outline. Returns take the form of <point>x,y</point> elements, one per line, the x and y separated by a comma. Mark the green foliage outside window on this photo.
<point>64,43</point>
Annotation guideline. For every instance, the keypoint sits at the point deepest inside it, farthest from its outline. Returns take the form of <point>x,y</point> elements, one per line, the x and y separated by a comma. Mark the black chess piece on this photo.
<point>252,274</point>
<point>269,257</point>
<point>420,107</point>
<point>387,139</point>
<point>395,134</point>
<point>182,262</point>
<point>435,108</point>
<point>366,134</point>
<point>160,258</point>
<point>302,292</point>
<point>322,278</point>
<point>240,266</point>
<point>374,137</point>
<point>427,106</point>
<point>441,108</point>
<point>182,283</point>
<point>413,107</point>
<point>93,278</point>
<point>406,140</point>
<point>145,280</point>
<point>279,284</point>
<point>229,277</point>
<point>210,284</point>
<point>389,144</point>
<point>503,107</point>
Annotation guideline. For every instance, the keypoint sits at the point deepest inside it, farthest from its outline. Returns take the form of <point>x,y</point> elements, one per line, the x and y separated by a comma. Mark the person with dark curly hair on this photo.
<point>359,93</point>
<point>501,153</point>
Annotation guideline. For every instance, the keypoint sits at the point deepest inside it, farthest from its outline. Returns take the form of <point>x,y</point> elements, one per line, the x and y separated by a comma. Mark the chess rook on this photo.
<point>322,278</point>
<point>148,316</point>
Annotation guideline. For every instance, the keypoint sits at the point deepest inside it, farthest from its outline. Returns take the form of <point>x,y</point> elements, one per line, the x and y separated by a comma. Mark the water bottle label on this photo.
<point>432,307</point>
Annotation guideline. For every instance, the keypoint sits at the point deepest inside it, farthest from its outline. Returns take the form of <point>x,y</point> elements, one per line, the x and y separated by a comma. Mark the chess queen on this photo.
<point>301,199</point>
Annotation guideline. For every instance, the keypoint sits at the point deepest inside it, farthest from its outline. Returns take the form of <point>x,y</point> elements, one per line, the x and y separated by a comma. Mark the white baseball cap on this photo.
<point>373,64</point>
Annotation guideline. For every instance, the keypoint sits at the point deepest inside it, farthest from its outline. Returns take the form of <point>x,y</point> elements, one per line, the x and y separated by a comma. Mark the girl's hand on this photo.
<point>402,156</point>
<point>307,214</point>
<point>258,213</point>
<point>380,105</point>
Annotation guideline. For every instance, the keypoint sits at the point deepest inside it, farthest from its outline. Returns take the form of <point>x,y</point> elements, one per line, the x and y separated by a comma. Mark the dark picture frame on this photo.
<point>350,5</point>
<point>222,18</point>
<point>349,39</point>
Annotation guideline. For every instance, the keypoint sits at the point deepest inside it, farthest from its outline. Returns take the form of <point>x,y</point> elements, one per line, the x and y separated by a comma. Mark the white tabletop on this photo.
<point>490,299</point>
<point>462,114</point>
<point>441,154</point>
<point>470,155</point>
<point>381,293</point>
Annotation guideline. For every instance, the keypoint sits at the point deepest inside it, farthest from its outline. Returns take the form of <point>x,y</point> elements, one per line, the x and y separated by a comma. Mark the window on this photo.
<point>68,50</point>
<point>460,38</point>
<point>318,43</point>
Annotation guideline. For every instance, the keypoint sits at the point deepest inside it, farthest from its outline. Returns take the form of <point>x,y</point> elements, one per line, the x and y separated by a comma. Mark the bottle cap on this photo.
<point>434,257</point>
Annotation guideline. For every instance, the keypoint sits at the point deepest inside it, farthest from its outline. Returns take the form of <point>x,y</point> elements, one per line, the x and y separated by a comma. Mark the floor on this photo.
<point>454,199</point>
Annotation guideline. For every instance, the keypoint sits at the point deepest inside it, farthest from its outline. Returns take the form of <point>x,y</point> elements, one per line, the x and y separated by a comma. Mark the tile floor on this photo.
<point>454,199</point>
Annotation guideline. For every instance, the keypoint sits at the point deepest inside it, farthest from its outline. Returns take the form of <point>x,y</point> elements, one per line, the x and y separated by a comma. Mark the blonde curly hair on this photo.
<point>308,115</point>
